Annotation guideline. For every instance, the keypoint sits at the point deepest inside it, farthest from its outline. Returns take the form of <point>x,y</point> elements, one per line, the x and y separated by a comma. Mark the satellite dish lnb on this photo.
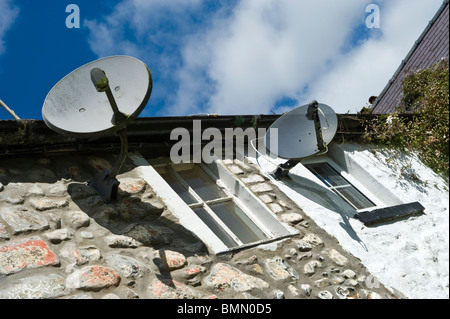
<point>303,132</point>
<point>97,99</point>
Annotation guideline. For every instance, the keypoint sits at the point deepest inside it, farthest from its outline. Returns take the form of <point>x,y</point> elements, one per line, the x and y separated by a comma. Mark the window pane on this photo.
<point>327,174</point>
<point>238,222</point>
<point>216,229</point>
<point>330,177</point>
<point>201,183</point>
<point>355,197</point>
<point>177,186</point>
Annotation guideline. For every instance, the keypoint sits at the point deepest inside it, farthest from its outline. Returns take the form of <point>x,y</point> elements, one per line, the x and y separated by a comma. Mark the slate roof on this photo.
<point>431,47</point>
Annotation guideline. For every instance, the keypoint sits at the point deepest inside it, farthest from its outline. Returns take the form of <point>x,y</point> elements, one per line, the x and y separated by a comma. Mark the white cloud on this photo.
<point>8,14</point>
<point>245,58</point>
<point>366,70</point>
<point>268,50</point>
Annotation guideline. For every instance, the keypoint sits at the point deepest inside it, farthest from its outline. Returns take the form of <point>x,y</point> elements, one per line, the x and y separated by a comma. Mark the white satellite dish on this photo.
<point>75,108</point>
<point>303,132</point>
<point>99,98</point>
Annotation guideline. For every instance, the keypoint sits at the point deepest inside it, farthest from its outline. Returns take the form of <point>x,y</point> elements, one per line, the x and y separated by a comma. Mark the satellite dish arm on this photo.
<point>106,183</point>
<point>101,83</point>
<point>312,114</point>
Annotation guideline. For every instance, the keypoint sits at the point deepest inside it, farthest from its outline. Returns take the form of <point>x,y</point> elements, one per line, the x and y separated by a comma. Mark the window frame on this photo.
<point>324,159</point>
<point>270,235</point>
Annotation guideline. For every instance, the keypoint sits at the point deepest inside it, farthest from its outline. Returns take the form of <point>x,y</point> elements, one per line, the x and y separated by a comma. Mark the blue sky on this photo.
<point>213,56</point>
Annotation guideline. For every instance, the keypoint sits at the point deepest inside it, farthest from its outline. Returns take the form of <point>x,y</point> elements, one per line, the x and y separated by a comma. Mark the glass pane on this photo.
<point>177,186</point>
<point>355,197</point>
<point>216,229</point>
<point>238,222</point>
<point>201,183</point>
<point>327,174</point>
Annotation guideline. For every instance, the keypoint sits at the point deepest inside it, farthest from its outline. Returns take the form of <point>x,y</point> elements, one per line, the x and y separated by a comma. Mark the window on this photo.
<point>222,212</point>
<point>339,185</point>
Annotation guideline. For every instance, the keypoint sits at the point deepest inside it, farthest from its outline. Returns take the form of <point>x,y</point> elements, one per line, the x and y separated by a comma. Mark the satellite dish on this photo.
<point>302,132</point>
<point>100,98</point>
<point>75,108</point>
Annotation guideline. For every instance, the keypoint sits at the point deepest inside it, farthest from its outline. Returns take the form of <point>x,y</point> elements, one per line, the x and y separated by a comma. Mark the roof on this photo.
<point>430,48</point>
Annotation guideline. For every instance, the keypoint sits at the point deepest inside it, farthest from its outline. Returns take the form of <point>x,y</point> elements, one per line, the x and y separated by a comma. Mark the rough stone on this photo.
<point>14,199</point>
<point>252,179</point>
<point>349,274</point>
<point>224,277</point>
<point>306,288</point>
<point>43,203</point>
<point>151,234</point>
<point>37,287</point>
<point>335,256</point>
<point>261,188</point>
<point>59,235</point>
<point>243,165</point>
<point>23,221</point>
<point>279,270</point>
<point>86,235</point>
<point>293,290</point>
<point>303,245</point>
<point>29,255</point>
<point>189,272</point>
<point>57,190</point>
<point>76,219</point>
<point>346,292</point>
<point>313,239</point>
<point>325,294</point>
<point>278,294</point>
<point>127,267</point>
<point>266,198</point>
<point>321,283</point>
<point>236,170</point>
<point>121,241</point>
<point>130,210</point>
<point>291,218</point>
<point>311,266</point>
<point>4,234</point>
<point>167,288</point>
<point>35,190</point>
<point>80,191</point>
<point>153,206</point>
<point>93,278</point>
<point>132,185</point>
<point>274,207</point>
<point>168,260</point>
<point>80,255</point>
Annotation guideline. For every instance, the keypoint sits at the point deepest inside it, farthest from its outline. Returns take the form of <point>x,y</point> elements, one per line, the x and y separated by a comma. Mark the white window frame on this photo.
<point>205,204</point>
<point>348,177</point>
<point>252,206</point>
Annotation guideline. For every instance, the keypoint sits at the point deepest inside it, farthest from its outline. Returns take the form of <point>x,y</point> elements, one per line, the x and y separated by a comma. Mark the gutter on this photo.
<point>25,137</point>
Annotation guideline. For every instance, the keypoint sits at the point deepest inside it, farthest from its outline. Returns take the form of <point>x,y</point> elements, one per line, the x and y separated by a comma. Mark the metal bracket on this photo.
<point>312,115</point>
<point>106,184</point>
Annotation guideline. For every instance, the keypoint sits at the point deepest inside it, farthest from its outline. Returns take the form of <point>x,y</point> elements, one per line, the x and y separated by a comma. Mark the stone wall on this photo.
<point>58,239</point>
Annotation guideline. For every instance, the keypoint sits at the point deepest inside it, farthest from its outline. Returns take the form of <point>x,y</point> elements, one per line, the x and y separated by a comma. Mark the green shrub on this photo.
<point>426,95</point>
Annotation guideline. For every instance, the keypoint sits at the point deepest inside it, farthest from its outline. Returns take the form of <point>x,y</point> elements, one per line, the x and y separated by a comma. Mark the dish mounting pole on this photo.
<point>313,115</point>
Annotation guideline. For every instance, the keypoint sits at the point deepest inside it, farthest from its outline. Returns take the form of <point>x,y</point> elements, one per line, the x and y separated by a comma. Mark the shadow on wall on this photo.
<point>325,198</point>
<point>137,218</point>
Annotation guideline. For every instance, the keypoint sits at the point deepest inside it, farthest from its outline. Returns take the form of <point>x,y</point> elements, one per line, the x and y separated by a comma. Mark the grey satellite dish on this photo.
<point>97,99</point>
<point>303,132</point>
